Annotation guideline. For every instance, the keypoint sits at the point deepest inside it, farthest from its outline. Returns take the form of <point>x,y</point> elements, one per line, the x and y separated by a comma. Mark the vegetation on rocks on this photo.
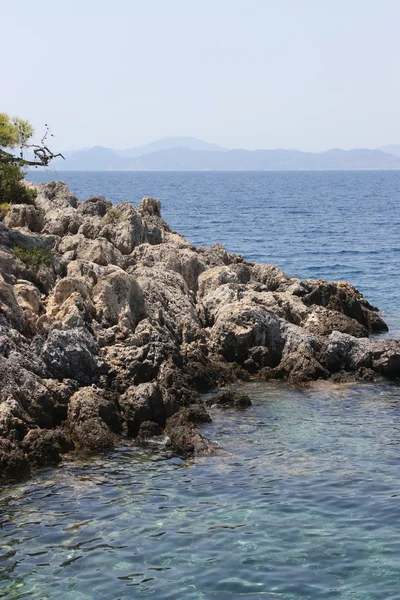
<point>15,136</point>
<point>4,208</point>
<point>112,216</point>
<point>32,257</point>
<point>12,189</point>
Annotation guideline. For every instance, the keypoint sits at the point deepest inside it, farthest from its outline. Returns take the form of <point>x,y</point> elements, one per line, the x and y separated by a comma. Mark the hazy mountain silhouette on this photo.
<point>169,142</point>
<point>391,149</point>
<point>196,155</point>
<point>92,159</point>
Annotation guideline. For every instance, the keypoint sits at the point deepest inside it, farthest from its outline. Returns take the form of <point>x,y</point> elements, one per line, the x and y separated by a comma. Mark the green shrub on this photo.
<point>112,216</point>
<point>4,208</point>
<point>12,190</point>
<point>33,258</point>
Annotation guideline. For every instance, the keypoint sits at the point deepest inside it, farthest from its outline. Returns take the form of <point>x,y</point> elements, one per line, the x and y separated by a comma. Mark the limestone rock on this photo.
<point>24,215</point>
<point>167,300</point>
<point>118,299</point>
<point>93,420</point>
<point>95,206</point>
<point>58,206</point>
<point>14,420</point>
<point>10,311</point>
<point>242,326</point>
<point>127,230</point>
<point>344,298</point>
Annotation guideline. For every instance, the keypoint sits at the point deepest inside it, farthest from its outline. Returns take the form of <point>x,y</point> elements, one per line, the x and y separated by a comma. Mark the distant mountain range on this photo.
<point>192,154</point>
<point>391,149</point>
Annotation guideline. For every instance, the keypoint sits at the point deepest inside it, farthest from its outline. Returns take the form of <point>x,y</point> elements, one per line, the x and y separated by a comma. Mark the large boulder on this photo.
<point>118,299</point>
<point>23,385</point>
<point>95,206</point>
<point>125,229</point>
<point>174,256</point>
<point>168,301</point>
<point>58,206</point>
<point>183,432</point>
<point>71,303</point>
<point>10,310</point>
<point>93,420</point>
<point>73,354</point>
<point>99,251</point>
<point>213,278</point>
<point>241,326</point>
<point>45,446</point>
<point>14,420</point>
<point>344,298</point>
<point>142,403</point>
<point>24,215</point>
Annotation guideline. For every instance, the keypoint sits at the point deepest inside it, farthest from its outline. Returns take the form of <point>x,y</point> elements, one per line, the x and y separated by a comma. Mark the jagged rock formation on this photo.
<point>113,324</point>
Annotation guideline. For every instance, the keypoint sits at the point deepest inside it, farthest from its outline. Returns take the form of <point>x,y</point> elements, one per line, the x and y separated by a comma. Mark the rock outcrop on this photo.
<point>112,325</point>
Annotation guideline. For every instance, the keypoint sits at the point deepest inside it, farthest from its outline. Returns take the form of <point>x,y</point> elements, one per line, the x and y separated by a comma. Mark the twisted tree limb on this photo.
<point>42,153</point>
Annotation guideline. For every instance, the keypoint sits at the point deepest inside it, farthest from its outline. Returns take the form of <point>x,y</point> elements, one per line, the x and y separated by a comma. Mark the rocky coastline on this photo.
<point>112,326</point>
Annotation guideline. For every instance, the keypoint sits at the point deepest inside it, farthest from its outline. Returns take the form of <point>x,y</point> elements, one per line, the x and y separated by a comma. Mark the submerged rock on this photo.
<point>183,431</point>
<point>111,324</point>
<point>229,399</point>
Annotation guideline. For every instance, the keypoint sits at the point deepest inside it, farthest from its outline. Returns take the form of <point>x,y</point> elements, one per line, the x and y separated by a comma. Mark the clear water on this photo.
<point>304,502</point>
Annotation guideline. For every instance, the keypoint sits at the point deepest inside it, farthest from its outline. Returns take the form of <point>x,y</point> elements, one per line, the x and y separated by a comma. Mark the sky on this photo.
<point>305,74</point>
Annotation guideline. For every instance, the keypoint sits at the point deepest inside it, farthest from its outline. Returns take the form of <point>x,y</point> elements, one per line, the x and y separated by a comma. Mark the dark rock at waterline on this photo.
<point>142,403</point>
<point>93,420</point>
<point>148,430</point>
<point>344,298</point>
<point>13,461</point>
<point>229,399</point>
<point>45,446</point>
<point>183,431</point>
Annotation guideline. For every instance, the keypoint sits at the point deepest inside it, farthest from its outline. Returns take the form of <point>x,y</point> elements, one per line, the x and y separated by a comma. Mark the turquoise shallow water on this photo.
<point>303,503</point>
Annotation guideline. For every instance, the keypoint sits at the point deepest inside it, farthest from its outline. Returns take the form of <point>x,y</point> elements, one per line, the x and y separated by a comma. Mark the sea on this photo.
<point>303,502</point>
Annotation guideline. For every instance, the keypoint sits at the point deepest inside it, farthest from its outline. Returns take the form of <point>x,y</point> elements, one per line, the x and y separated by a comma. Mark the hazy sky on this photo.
<point>307,74</point>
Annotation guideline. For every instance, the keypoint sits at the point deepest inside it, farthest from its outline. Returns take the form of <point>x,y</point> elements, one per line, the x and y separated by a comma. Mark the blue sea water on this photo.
<point>304,501</point>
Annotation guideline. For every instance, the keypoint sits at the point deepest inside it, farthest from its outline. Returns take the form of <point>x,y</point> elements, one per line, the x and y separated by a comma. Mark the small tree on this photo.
<point>15,133</point>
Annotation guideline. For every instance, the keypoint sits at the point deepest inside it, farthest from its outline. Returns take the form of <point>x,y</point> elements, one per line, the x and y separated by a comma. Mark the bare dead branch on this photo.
<point>42,154</point>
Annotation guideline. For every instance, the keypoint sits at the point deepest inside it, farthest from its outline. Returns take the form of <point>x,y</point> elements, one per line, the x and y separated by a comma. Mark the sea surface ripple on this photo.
<point>304,503</point>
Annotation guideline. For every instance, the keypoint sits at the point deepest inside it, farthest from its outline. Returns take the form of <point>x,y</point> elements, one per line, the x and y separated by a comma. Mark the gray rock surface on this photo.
<point>125,322</point>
